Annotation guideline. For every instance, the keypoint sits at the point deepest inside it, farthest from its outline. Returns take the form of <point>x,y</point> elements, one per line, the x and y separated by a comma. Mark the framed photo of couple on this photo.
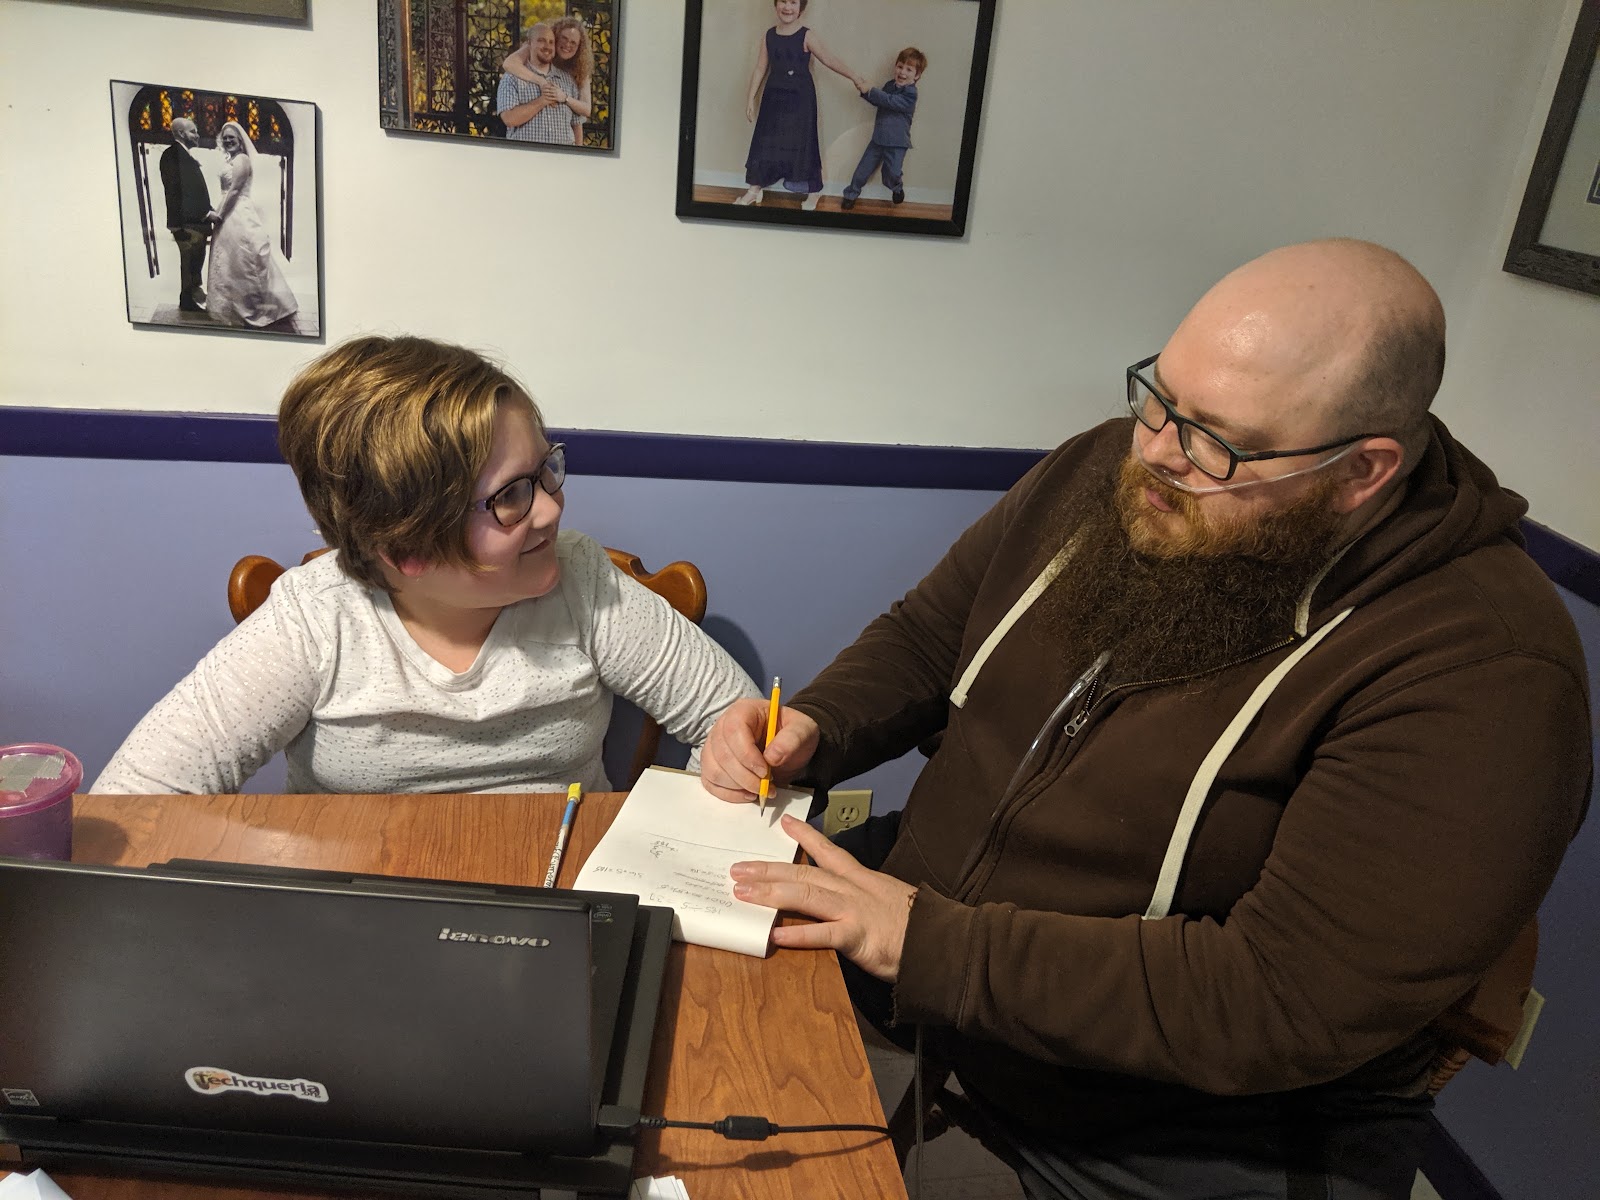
<point>536,72</point>
<point>218,194</point>
<point>843,114</point>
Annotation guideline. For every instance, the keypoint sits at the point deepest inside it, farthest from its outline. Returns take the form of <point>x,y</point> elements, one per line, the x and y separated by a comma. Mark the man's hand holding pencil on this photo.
<point>732,762</point>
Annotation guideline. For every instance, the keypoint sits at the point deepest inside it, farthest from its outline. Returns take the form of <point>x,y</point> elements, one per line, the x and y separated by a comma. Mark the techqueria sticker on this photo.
<point>213,1081</point>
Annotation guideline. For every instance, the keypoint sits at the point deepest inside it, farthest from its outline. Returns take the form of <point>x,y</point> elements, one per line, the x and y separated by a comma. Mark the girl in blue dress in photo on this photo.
<point>785,145</point>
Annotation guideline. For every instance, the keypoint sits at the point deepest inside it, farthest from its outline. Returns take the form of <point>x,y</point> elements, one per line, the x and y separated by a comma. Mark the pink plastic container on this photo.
<point>36,786</point>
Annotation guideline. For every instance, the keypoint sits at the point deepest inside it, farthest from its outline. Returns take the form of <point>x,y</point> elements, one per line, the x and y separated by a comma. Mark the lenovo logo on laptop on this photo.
<point>212,1081</point>
<point>500,939</point>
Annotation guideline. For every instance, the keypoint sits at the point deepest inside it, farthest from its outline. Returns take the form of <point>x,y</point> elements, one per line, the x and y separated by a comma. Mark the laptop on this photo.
<point>325,1029</point>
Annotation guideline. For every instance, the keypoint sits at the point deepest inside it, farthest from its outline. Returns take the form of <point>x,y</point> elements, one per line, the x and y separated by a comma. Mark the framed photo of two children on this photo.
<point>843,114</point>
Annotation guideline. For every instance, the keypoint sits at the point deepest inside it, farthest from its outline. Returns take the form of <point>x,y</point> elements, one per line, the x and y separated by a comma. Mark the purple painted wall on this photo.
<point>113,576</point>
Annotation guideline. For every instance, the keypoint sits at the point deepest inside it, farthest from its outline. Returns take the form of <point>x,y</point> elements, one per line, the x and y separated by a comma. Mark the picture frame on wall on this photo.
<point>533,72</point>
<point>288,10</point>
<point>218,194</point>
<point>835,114</point>
<point>1556,238</point>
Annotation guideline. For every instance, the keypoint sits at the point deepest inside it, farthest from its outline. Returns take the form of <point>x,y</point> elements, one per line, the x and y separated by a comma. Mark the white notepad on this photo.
<point>34,1186</point>
<point>672,844</point>
<point>664,1187</point>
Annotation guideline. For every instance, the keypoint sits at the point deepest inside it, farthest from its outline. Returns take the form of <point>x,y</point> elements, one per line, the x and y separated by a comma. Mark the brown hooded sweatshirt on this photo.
<point>1387,823</point>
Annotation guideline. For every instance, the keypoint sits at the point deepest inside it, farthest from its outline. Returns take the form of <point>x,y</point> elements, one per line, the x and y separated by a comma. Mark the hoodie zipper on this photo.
<point>1078,722</point>
<point>1086,682</point>
<point>1092,697</point>
<point>1227,666</point>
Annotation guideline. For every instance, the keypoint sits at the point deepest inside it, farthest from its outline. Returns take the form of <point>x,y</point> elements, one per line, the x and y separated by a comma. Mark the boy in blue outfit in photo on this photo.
<point>896,102</point>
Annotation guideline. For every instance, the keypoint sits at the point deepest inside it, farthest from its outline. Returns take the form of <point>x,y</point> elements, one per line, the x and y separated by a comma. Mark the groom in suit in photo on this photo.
<point>188,206</point>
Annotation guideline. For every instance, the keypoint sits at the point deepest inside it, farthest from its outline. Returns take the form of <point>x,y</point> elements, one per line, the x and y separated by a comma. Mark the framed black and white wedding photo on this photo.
<point>842,114</point>
<point>533,72</point>
<point>218,199</point>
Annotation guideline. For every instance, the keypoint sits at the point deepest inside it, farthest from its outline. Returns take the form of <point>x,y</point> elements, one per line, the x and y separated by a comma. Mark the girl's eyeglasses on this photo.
<point>511,504</point>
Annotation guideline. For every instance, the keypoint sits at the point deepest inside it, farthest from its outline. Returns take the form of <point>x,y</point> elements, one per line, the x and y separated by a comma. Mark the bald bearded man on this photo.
<point>1260,738</point>
<point>188,210</point>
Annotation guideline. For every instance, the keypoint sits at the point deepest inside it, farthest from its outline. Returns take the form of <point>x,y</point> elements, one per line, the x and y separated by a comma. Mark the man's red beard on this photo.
<point>1284,534</point>
<point>1177,594</point>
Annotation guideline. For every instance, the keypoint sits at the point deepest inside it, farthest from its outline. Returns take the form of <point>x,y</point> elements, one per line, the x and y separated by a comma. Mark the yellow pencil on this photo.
<point>772,732</point>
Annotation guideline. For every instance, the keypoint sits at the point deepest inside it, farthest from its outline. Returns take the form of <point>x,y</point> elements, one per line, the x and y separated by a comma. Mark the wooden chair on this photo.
<point>680,584</point>
<point>252,578</point>
<point>1486,1021</point>
<point>1482,1024</point>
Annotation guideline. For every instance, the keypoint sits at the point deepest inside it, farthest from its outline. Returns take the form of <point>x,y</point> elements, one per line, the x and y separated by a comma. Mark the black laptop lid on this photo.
<point>611,924</point>
<point>369,1010</point>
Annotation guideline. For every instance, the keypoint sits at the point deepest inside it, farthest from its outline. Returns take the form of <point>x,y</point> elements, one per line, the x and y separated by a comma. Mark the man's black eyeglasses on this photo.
<point>511,503</point>
<point>1212,453</point>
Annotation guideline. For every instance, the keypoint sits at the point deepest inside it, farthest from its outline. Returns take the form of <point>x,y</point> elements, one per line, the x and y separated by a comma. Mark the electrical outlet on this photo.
<point>846,810</point>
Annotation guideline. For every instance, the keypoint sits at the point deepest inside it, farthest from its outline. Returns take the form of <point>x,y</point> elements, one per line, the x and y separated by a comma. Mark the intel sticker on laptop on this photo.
<point>211,1081</point>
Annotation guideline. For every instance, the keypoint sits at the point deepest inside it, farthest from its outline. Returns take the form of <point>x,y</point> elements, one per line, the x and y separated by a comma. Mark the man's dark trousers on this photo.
<point>191,241</point>
<point>1329,1142</point>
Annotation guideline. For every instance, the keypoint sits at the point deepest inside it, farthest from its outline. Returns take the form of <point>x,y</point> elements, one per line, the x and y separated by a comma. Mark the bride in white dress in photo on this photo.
<point>244,283</point>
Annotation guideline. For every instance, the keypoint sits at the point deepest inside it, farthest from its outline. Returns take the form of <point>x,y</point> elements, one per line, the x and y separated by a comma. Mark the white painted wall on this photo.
<point>1133,151</point>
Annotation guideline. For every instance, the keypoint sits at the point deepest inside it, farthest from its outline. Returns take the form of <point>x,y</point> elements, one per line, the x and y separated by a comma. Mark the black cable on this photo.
<point>754,1129</point>
<point>916,1083</point>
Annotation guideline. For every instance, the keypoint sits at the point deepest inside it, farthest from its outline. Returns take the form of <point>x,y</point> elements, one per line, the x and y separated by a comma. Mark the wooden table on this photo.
<point>772,1037</point>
